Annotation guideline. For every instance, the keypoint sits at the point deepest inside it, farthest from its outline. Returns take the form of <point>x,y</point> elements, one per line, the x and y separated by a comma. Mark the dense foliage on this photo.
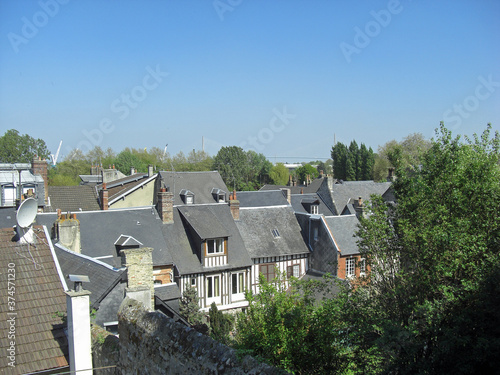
<point>435,259</point>
<point>189,307</point>
<point>430,302</point>
<point>17,148</point>
<point>306,171</point>
<point>352,163</point>
<point>221,324</point>
<point>407,153</point>
<point>242,170</point>
<point>284,327</point>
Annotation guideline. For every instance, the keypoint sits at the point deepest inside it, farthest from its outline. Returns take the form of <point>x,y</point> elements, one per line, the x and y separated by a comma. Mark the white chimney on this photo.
<point>79,342</point>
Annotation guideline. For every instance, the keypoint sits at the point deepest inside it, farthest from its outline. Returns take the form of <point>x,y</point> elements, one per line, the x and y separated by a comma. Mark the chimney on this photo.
<point>360,202</point>
<point>140,283</point>
<point>68,231</point>
<point>150,170</point>
<point>301,190</point>
<point>288,194</point>
<point>391,176</point>
<point>132,171</point>
<point>166,206</point>
<point>321,174</point>
<point>39,168</point>
<point>78,320</point>
<point>234,205</point>
<point>290,180</point>
<point>103,195</point>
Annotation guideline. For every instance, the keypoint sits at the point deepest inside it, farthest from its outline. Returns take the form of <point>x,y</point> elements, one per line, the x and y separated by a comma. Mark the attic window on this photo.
<point>215,246</point>
<point>314,209</point>
<point>219,195</point>
<point>275,233</point>
<point>187,196</point>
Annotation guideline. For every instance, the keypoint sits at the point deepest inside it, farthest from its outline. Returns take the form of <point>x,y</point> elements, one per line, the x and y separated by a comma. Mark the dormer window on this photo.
<point>275,233</point>
<point>314,209</point>
<point>187,196</point>
<point>215,246</point>
<point>219,195</point>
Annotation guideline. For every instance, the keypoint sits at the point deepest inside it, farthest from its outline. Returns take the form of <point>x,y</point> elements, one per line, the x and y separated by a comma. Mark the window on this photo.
<point>213,287</point>
<point>215,246</point>
<point>350,264</point>
<point>275,233</point>
<point>293,270</point>
<point>315,233</point>
<point>189,199</point>
<point>314,209</point>
<point>362,266</point>
<point>193,282</point>
<point>268,271</point>
<point>238,282</point>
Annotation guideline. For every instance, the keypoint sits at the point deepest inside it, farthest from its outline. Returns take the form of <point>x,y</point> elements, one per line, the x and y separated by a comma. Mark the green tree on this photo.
<point>126,159</point>
<point>366,162</point>
<point>434,260</point>
<point>326,167</point>
<point>339,156</point>
<point>352,162</point>
<point>17,148</point>
<point>220,324</point>
<point>232,164</point>
<point>279,174</point>
<point>304,171</point>
<point>285,327</point>
<point>408,152</point>
<point>67,172</point>
<point>189,307</point>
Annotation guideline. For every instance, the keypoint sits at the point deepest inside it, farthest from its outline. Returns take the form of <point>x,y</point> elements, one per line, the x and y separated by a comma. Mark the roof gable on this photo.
<point>343,229</point>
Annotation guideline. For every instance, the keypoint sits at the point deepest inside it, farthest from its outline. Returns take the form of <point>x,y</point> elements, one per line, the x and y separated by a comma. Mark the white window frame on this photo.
<point>362,266</point>
<point>314,209</point>
<point>213,286</point>
<point>350,267</point>
<point>218,246</point>
<point>240,285</point>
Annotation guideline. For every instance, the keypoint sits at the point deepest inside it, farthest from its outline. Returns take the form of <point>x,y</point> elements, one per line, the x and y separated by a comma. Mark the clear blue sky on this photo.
<point>281,77</point>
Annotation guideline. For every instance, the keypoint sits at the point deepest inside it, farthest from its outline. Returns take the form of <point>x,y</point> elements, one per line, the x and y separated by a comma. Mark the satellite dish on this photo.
<point>26,213</point>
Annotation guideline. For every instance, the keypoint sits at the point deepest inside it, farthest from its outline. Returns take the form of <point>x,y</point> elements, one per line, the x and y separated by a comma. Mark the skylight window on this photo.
<point>275,233</point>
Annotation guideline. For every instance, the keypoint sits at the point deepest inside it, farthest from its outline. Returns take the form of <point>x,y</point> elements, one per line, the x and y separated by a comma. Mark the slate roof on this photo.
<point>351,190</point>
<point>7,217</point>
<point>184,251</point>
<point>343,229</point>
<point>72,198</point>
<point>298,201</point>
<point>102,277</point>
<point>41,343</point>
<point>105,283</point>
<point>256,224</point>
<point>200,184</point>
<point>204,221</point>
<point>261,198</point>
<point>311,188</point>
<point>100,230</point>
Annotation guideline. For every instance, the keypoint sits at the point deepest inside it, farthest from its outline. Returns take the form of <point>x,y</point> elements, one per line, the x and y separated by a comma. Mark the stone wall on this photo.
<point>105,352</point>
<point>139,263</point>
<point>151,343</point>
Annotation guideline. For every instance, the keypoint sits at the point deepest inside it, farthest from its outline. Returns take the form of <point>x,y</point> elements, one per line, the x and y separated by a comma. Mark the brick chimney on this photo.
<point>290,180</point>
<point>79,343</point>
<point>103,196</point>
<point>39,168</point>
<point>68,231</point>
<point>166,206</point>
<point>234,205</point>
<point>140,283</point>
